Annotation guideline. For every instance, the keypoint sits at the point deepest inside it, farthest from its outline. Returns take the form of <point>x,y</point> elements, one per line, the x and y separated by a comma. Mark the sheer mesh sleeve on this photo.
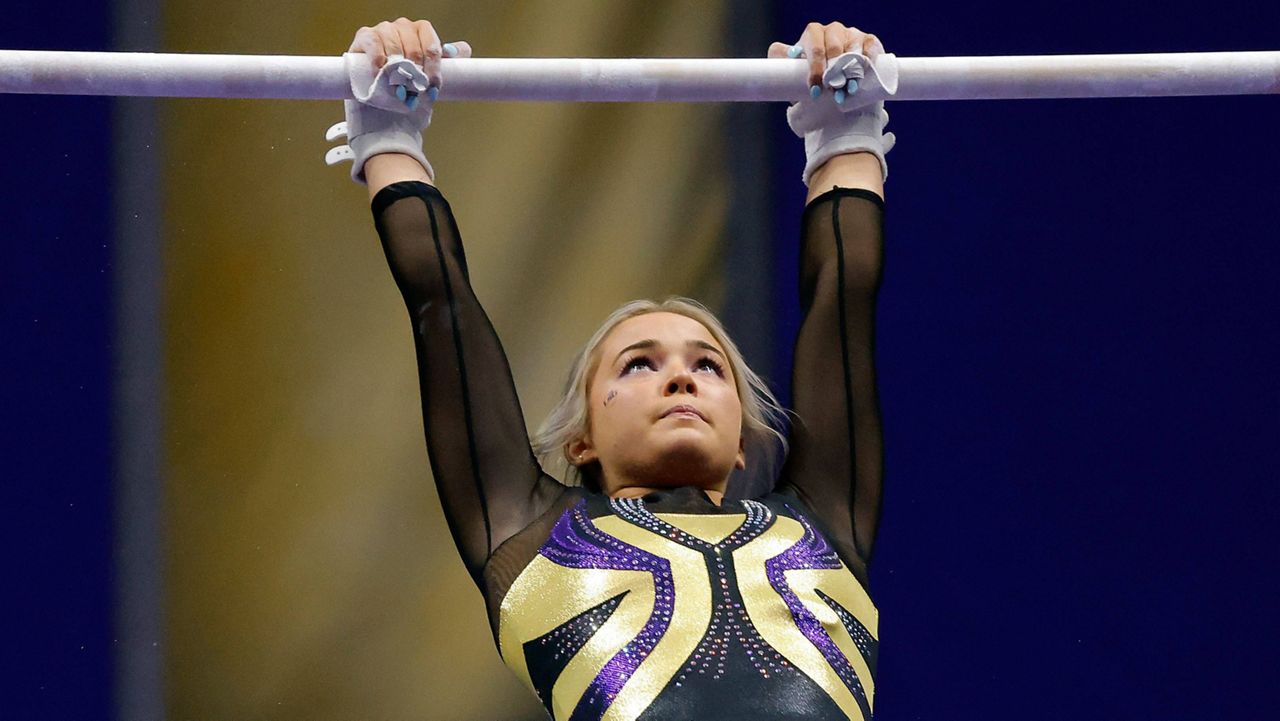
<point>837,454</point>
<point>489,481</point>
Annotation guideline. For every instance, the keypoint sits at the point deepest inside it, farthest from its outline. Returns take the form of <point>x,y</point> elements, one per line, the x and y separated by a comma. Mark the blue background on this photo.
<point>1076,355</point>
<point>55,396</point>
<point>1075,349</point>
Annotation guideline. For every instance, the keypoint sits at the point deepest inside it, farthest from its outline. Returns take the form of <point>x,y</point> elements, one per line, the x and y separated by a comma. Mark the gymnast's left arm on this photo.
<point>837,454</point>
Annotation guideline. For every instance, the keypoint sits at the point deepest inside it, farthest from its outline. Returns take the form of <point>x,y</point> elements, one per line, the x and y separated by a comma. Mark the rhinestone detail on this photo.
<point>730,623</point>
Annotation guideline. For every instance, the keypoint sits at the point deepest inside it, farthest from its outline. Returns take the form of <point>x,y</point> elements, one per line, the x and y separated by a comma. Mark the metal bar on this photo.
<point>642,79</point>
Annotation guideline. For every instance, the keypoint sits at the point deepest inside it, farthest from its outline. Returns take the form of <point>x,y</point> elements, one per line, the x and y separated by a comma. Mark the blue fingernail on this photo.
<point>412,102</point>
<point>815,91</point>
<point>450,49</point>
<point>401,92</point>
<point>433,93</point>
<point>852,86</point>
<point>794,51</point>
<point>840,97</point>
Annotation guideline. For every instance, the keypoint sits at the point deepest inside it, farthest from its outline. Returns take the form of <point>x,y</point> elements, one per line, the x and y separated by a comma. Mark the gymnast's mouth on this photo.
<point>684,410</point>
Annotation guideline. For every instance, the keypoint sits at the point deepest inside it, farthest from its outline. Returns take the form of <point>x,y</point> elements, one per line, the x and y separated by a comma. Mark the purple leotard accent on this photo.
<point>575,542</point>
<point>813,551</point>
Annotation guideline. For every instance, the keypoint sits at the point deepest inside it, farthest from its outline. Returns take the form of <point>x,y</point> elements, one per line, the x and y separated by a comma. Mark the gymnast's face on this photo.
<point>647,366</point>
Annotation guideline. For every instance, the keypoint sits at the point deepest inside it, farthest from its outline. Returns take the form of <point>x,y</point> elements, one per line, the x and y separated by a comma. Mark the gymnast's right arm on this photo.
<point>491,485</point>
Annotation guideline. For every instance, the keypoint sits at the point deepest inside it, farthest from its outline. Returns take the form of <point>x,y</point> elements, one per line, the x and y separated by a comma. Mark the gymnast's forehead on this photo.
<point>659,330</point>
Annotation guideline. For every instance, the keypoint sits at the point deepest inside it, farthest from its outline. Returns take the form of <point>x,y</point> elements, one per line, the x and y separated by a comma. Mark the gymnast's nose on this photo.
<point>681,382</point>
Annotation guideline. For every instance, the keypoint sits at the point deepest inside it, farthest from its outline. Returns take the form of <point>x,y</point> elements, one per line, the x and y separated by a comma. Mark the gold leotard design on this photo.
<point>619,610</point>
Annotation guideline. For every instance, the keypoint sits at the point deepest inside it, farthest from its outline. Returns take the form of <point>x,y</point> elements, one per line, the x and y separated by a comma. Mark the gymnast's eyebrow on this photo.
<point>704,345</point>
<point>646,343</point>
<point>650,343</point>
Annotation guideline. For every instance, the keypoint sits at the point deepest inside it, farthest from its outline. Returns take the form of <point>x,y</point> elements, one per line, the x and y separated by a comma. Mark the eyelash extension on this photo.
<point>626,365</point>
<point>714,364</point>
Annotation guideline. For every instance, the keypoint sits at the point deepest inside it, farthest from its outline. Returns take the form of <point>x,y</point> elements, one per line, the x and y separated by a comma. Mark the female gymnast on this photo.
<point>641,591</point>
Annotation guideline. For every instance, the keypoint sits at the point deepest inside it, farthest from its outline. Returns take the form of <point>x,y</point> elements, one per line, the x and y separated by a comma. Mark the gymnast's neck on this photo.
<point>715,494</point>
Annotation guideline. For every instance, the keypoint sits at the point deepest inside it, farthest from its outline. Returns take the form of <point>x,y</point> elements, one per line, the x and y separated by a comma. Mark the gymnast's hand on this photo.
<point>822,43</point>
<point>413,39</point>
<point>844,142</point>
<point>384,123</point>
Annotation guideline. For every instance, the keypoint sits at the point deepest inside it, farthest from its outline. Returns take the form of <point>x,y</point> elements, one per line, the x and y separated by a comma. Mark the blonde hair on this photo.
<point>762,415</point>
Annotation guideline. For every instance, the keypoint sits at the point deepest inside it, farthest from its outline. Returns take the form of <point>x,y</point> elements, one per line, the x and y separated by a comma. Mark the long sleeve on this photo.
<point>489,481</point>
<point>837,454</point>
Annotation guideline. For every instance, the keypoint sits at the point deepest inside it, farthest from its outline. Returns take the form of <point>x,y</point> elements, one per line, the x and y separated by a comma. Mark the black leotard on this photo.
<point>668,606</point>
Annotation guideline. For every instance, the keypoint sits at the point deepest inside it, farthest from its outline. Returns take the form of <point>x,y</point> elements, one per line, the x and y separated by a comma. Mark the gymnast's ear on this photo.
<point>741,462</point>
<point>580,452</point>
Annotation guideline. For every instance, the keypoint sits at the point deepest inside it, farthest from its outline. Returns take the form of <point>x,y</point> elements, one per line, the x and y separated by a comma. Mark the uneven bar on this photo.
<point>641,79</point>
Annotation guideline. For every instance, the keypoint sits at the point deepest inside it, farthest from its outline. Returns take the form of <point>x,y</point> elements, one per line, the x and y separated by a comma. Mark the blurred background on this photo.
<point>215,492</point>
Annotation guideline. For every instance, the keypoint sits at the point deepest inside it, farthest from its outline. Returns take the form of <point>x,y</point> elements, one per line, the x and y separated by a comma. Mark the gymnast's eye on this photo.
<point>640,361</point>
<point>709,362</point>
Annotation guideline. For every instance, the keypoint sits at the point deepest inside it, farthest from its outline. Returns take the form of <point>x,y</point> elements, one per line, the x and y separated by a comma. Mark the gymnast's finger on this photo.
<point>814,43</point>
<point>871,46</point>
<point>389,37</point>
<point>366,41</point>
<point>779,50</point>
<point>835,38</point>
<point>462,49</point>
<point>410,44</point>
<point>432,50</point>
